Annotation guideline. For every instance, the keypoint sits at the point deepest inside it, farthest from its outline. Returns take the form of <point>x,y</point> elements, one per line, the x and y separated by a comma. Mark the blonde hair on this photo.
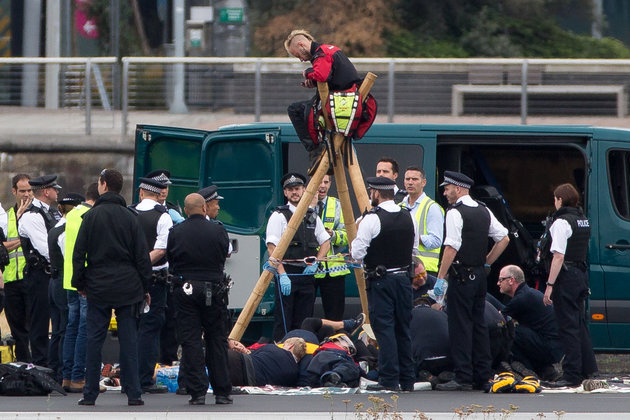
<point>297,33</point>
<point>299,347</point>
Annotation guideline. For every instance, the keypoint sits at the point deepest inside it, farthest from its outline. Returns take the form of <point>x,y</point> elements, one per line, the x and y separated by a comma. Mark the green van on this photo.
<point>515,169</point>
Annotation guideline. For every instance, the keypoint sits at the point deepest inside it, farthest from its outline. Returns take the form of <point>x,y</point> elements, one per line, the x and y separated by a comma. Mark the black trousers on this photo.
<point>59,319</point>
<point>390,305</point>
<point>16,310</point>
<point>294,308</point>
<point>533,350</point>
<point>194,318</point>
<point>39,311</point>
<point>298,114</point>
<point>468,332</point>
<point>149,327</point>
<point>333,293</point>
<point>569,296</point>
<point>168,335</point>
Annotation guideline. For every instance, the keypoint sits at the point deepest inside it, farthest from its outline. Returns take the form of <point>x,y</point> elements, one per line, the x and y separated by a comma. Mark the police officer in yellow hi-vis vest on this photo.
<point>16,295</point>
<point>331,278</point>
<point>428,219</point>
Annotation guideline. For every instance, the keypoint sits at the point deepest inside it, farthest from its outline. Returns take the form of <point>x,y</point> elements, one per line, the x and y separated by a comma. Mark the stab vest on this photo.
<point>474,248</point>
<point>49,222</point>
<point>393,245</point>
<point>304,242</point>
<point>148,220</point>
<point>577,244</point>
<point>13,271</point>
<point>55,254</point>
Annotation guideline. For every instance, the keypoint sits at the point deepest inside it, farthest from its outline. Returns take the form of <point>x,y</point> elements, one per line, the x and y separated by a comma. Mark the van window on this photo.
<point>619,181</point>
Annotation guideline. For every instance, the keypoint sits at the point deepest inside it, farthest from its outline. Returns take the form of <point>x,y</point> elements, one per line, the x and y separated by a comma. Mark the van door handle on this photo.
<point>618,246</point>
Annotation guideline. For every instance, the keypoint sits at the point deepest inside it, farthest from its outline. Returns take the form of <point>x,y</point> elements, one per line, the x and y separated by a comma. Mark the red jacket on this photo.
<point>331,65</point>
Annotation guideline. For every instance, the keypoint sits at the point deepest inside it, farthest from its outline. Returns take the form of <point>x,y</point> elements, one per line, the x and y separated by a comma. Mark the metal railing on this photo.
<point>258,86</point>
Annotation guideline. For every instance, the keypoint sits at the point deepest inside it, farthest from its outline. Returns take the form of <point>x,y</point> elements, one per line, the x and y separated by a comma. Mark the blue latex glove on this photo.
<point>310,269</point>
<point>487,268</point>
<point>438,289</point>
<point>175,216</point>
<point>285,284</point>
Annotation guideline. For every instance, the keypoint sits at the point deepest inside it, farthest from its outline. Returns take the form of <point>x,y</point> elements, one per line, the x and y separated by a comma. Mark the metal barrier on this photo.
<point>65,81</point>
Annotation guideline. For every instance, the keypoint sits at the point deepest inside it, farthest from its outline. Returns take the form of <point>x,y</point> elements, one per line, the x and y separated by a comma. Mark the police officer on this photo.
<point>164,176</point>
<point>385,243</point>
<point>332,281</point>
<point>567,285</point>
<point>33,228</point>
<point>197,249</point>
<point>468,225</point>
<point>56,293</point>
<point>295,277</point>
<point>428,219</point>
<point>16,295</point>
<point>155,223</point>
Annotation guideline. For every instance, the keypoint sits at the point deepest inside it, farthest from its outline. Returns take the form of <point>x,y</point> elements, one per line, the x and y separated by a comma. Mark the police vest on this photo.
<point>74,218</point>
<point>54,252</point>
<point>577,244</point>
<point>13,271</point>
<point>31,254</point>
<point>148,220</point>
<point>474,248</point>
<point>430,257</point>
<point>304,242</point>
<point>332,217</point>
<point>393,246</point>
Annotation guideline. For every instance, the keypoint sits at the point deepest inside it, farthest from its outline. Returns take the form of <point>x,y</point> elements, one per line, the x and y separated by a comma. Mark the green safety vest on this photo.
<point>74,218</point>
<point>332,217</point>
<point>14,271</point>
<point>429,257</point>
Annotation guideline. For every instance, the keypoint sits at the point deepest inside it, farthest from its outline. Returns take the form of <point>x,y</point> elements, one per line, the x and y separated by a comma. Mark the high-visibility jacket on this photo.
<point>74,218</point>
<point>14,271</point>
<point>429,257</point>
<point>332,217</point>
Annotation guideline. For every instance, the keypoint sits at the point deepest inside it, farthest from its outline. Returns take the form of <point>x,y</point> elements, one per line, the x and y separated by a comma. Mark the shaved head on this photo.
<point>194,204</point>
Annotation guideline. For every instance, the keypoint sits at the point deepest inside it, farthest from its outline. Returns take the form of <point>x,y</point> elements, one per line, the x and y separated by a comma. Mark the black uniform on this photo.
<point>569,295</point>
<point>58,301</point>
<point>299,304</point>
<point>470,345</point>
<point>197,249</point>
<point>390,297</point>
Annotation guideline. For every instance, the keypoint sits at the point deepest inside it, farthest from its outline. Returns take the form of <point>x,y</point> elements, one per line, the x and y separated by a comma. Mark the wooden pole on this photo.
<point>265,277</point>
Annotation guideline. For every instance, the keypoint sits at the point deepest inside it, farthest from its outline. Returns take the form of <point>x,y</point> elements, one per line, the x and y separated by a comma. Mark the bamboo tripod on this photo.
<point>339,146</point>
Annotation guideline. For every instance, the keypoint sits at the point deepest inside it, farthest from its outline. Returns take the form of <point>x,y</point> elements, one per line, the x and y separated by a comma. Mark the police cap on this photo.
<point>381,183</point>
<point>457,178</point>
<point>210,193</point>
<point>43,182</point>
<point>72,198</point>
<point>161,175</point>
<point>292,179</point>
<point>152,185</point>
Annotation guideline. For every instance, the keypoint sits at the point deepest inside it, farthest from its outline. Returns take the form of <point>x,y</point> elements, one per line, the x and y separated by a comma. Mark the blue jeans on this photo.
<point>74,343</point>
<point>98,318</point>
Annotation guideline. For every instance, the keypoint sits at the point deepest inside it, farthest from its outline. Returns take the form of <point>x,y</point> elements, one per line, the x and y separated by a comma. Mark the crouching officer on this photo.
<point>385,243</point>
<point>196,251</point>
<point>468,225</point>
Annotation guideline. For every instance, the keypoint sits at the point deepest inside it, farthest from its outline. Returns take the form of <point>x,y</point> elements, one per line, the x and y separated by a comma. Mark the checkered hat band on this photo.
<point>383,187</point>
<point>213,196</point>
<point>162,178</point>
<point>151,188</point>
<point>455,182</point>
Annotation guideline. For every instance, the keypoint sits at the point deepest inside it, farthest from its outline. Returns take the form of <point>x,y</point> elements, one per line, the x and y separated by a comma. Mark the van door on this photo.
<point>246,166</point>
<point>613,241</point>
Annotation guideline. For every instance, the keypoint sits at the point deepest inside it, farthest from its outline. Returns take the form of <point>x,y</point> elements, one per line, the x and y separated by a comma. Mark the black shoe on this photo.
<point>223,399</point>
<point>550,374</point>
<point>200,400</point>
<point>84,401</point>
<point>181,391</point>
<point>330,379</point>
<point>562,383</point>
<point>453,386</point>
<point>407,387</point>
<point>154,389</point>
<point>426,376</point>
<point>352,325</point>
<point>446,376</point>
<point>380,387</point>
<point>135,401</point>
